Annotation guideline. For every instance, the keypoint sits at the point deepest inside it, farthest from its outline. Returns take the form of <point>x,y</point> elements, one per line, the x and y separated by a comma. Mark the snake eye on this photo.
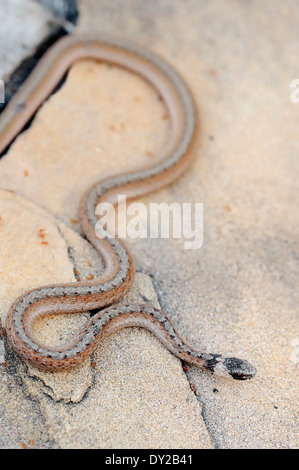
<point>239,369</point>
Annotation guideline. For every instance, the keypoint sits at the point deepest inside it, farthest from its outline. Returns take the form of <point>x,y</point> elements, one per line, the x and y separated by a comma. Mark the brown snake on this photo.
<point>119,268</point>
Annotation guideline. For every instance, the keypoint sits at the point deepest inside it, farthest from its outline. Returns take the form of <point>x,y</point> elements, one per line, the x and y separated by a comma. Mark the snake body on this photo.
<point>118,274</point>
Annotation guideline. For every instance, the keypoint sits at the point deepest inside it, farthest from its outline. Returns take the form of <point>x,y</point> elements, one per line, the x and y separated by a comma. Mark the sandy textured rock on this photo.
<point>81,141</point>
<point>21,424</point>
<point>134,401</point>
<point>238,293</point>
<point>46,260</point>
<point>116,390</point>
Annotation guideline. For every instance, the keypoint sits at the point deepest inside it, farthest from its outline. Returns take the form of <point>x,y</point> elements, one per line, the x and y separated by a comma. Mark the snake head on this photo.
<point>239,369</point>
<point>230,367</point>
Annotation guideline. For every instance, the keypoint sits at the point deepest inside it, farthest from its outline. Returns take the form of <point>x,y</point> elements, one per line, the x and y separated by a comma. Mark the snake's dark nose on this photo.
<point>239,369</point>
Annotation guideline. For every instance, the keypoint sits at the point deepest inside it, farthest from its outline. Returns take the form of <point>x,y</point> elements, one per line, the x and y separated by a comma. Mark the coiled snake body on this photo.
<point>118,274</point>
